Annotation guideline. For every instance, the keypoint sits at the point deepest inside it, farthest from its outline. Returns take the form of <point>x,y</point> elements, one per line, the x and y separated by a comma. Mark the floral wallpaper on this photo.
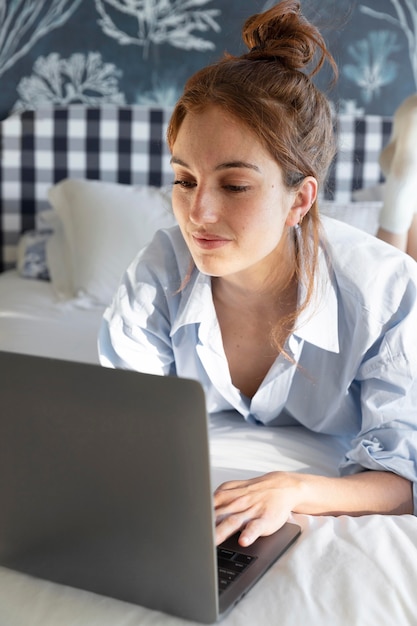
<point>142,51</point>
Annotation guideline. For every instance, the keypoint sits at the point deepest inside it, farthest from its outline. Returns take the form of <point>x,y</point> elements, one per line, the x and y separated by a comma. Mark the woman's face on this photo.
<point>229,198</point>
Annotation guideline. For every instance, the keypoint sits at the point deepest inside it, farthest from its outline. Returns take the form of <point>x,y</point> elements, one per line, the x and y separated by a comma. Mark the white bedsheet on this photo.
<point>34,321</point>
<point>341,571</point>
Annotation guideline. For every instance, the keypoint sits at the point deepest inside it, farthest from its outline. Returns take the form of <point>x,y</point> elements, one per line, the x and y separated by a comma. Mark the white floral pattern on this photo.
<point>24,22</point>
<point>79,79</point>
<point>373,69</point>
<point>160,21</point>
<point>142,51</point>
<point>162,92</point>
<point>405,19</point>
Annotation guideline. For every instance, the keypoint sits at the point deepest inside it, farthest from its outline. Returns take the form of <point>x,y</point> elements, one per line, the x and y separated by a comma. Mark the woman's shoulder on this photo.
<point>367,268</point>
<point>353,248</point>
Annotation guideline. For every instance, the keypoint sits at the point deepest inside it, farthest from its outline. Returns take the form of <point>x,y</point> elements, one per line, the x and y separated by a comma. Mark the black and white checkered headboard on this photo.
<point>127,145</point>
<point>359,144</point>
<point>39,148</point>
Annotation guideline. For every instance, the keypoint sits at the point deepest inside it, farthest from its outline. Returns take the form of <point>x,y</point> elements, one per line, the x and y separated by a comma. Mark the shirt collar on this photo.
<point>196,302</point>
<point>317,324</point>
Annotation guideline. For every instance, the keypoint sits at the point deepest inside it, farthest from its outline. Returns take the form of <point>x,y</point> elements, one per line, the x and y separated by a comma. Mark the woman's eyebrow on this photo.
<point>238,164</point>
<point>222,166</point>
<point>178,161</point>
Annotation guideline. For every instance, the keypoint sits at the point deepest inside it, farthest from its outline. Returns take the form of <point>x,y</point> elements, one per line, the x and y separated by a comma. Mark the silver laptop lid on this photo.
<point>105,483</point>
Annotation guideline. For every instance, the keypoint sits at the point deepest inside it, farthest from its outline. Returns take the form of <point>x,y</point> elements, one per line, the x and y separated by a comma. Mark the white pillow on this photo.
<point>104,226</point>
<point>363,215</point>
<point>58,259</point>
<point>369,194</point>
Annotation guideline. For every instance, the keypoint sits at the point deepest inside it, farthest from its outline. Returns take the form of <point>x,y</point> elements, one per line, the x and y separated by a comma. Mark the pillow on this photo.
<point>369,194</point>
<point>363,215</point>
<point>103,226</point>
<point>31,249</point>
<point>58,260</point>
<point>31,255</point>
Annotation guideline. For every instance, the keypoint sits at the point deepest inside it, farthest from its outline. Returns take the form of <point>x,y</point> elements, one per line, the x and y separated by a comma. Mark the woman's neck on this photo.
<point>262,286</point>
<point>255,319</point>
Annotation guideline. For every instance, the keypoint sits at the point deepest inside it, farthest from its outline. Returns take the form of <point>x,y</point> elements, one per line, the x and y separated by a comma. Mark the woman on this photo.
<point>280,318</point>
<point>398,160</point>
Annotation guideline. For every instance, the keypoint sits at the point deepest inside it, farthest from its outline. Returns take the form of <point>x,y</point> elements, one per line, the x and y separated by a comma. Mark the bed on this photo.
<point>81,190</point>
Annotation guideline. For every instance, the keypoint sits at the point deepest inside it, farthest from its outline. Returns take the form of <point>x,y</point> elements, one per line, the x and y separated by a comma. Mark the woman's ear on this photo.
<point>304,198</point>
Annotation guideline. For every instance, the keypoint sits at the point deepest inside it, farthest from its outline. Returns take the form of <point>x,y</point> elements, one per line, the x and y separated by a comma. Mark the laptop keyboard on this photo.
<point>230,565</point>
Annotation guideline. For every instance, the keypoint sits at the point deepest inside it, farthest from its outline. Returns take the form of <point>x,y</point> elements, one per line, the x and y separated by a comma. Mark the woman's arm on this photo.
<point>260,506</point>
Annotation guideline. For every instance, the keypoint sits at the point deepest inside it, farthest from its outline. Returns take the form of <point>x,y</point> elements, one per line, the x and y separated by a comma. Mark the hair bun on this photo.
<point>283,34</point>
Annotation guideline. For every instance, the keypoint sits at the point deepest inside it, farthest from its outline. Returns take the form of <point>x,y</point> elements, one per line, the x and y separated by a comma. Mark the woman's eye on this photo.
<point>236,188</point>
<point>190,184</point>
<point>185,184</point>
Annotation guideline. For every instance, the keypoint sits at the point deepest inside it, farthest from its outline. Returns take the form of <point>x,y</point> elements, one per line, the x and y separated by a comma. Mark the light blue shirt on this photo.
<point>354,349</point>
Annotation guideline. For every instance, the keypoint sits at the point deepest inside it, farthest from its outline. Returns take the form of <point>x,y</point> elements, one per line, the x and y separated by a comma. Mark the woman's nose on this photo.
<point>204,208</point>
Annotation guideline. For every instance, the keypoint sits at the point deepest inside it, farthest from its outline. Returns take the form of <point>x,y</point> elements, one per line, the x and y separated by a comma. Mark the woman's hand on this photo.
<point>257,507</point>
<point>260,506</point>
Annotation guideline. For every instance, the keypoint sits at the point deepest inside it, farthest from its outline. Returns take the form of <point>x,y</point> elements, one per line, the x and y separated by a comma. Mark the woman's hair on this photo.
<point>269,89</point>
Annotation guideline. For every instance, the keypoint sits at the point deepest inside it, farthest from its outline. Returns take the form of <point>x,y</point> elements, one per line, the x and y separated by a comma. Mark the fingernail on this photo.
<point>246,540</point>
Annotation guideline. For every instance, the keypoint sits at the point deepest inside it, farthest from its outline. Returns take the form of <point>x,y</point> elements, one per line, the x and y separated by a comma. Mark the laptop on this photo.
<point>105,486</point>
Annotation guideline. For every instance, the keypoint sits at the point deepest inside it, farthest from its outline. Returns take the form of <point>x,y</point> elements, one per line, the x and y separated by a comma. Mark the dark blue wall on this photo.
<point>95,51</point>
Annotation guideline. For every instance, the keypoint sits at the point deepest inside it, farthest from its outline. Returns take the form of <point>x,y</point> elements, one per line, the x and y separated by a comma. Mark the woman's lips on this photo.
<point>209,242</point>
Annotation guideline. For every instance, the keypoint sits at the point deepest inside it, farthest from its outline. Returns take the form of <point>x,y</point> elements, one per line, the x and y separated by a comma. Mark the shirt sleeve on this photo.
<point>135,329</point>
<point>387,377</point>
